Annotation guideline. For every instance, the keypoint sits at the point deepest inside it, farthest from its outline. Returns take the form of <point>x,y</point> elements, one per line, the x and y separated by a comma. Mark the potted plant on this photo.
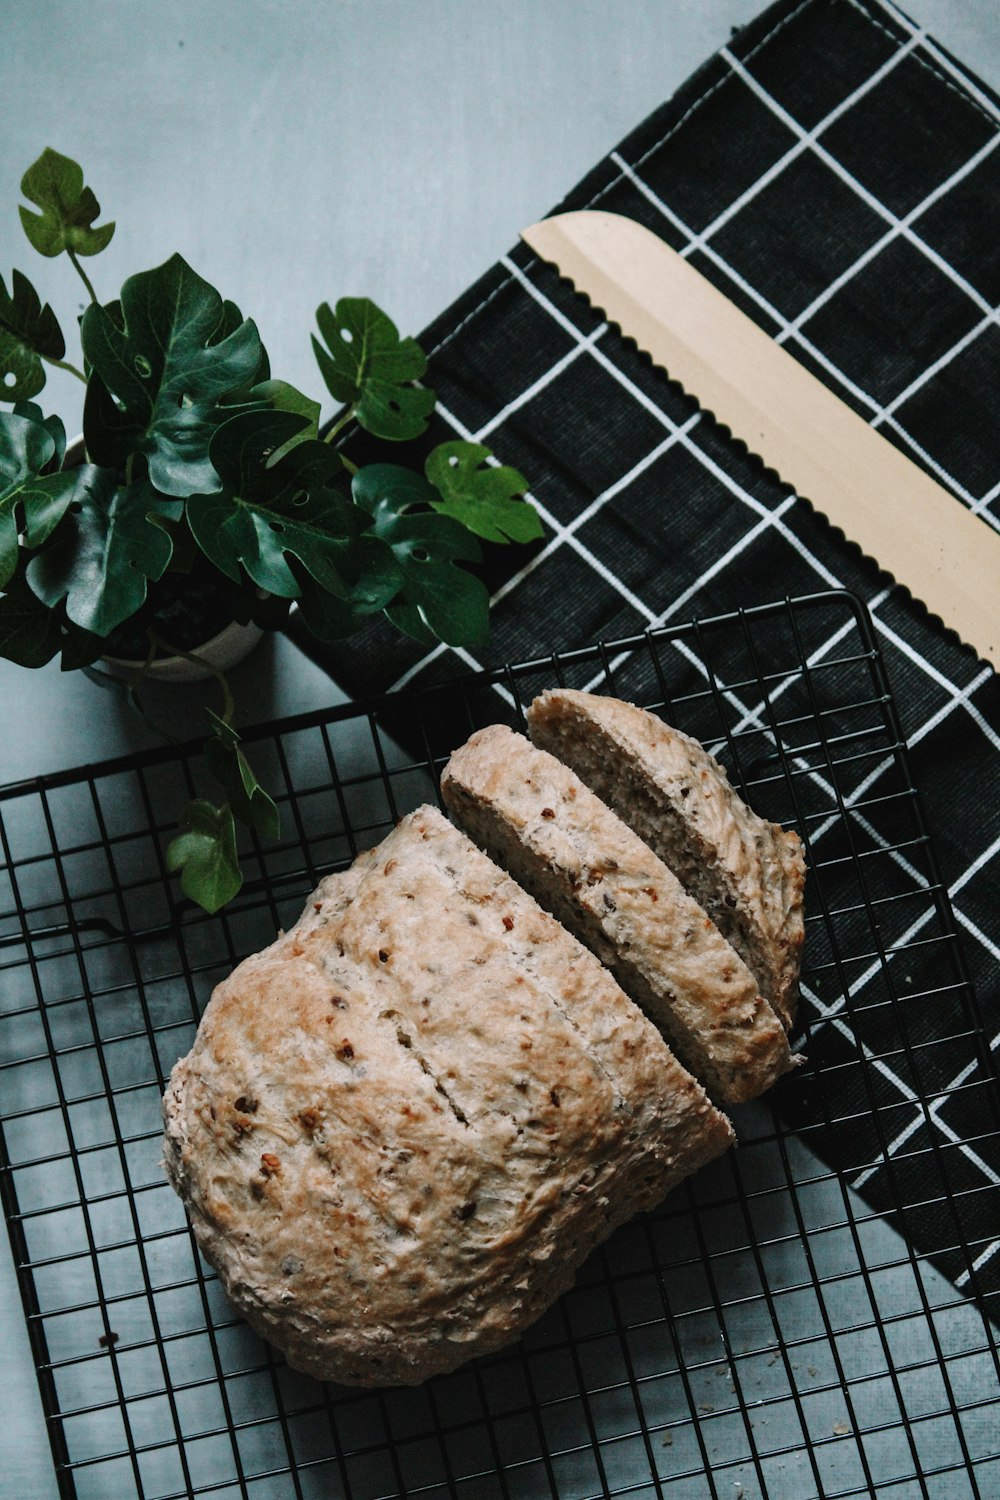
<point>202,494</point>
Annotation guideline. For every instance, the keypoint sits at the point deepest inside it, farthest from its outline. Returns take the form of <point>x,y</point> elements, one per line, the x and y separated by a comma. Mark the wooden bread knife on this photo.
<point>914,529</point>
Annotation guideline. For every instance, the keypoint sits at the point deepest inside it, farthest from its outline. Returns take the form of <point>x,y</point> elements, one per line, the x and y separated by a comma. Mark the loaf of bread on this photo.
<point>403,1126</point>
<point>535,817</point>
<point>748,874</point>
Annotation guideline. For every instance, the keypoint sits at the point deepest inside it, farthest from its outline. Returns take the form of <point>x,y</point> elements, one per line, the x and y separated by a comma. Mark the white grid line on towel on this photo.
<point>941,679</point>
<point>892,233</point>
<point>987,499</point>
<point>787,330</point>
<point>978,1263</point>
<point>942,63</point>
<point>944,1094</point>
<point>927,1110</point>
<point>897,226</point>
<point>539,385</point>
<point>908,1094</point>
<point>958,699</point>
<point>906,231</point>
<point>564,535</point>
<point>590,511</point>
<point>805,139</point>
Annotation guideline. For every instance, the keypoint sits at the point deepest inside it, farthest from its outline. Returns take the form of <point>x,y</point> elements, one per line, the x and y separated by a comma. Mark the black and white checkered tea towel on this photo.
<point>837,175</point>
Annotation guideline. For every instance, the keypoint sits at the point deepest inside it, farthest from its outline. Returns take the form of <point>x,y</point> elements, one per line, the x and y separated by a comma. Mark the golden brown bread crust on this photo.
<point>403,1126</point>
<point>536,818</point>
<point>748,873</point>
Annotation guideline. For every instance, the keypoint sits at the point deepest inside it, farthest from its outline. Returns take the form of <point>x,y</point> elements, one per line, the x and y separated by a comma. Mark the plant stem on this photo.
<point>351,468</point>
<point>129,690</point>
<point>228,705</point>
<point>339,426</point>
<point>138,707</point>
<point>64,364</point>
<point>83,275</point>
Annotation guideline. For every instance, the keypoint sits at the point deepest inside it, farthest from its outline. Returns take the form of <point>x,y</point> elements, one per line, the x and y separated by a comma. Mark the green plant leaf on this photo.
<point>284,397</point>
<point>281,396</point>
<point>26,500</point>
<point>80,648</point>
<point>439,599</point>
<point>28,331</point>
<point>53,425</point>
<point>247,798</point>
<point>26,446</point>
<point>55,184</point>
<point>246,603</point>
<point>44,501</point>
<point>205,853</point>
<point>487,498</point>
<point>106,550</point>
<point>29,630</point>
<point>31,633</point>
<point>269,511</point>
<point>374,577</point>
<point>366,364</point>
<point>164,365</point>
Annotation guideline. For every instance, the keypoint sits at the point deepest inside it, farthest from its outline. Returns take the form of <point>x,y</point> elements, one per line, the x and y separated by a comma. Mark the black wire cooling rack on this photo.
<point>787,1324</point>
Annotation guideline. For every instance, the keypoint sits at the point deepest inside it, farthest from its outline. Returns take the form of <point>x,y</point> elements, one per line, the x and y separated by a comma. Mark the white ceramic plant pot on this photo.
<point>225,650</point>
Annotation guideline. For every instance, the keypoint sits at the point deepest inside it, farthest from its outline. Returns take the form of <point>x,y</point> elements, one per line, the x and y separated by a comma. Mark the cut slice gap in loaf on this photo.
<point>748,873</point>
<point>536,818</point>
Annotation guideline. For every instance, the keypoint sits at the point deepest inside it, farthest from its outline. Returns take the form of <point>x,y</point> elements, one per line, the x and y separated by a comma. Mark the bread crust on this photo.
<point>534,816</point>
<point>403,1125</point>
<point>748,873</point>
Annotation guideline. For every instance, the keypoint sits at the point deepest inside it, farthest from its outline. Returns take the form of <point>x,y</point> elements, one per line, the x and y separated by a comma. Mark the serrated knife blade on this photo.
<point>948,557</point>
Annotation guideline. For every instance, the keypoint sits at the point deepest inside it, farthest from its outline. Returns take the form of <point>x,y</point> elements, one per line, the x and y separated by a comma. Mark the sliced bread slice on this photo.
<point>560,842</point>
<point>747,873</point>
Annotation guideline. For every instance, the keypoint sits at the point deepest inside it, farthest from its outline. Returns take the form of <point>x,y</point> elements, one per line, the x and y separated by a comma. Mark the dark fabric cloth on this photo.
<point>837,175</point>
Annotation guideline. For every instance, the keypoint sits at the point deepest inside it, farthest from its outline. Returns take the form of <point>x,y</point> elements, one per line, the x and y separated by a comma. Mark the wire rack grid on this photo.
<point>768,1331</point>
